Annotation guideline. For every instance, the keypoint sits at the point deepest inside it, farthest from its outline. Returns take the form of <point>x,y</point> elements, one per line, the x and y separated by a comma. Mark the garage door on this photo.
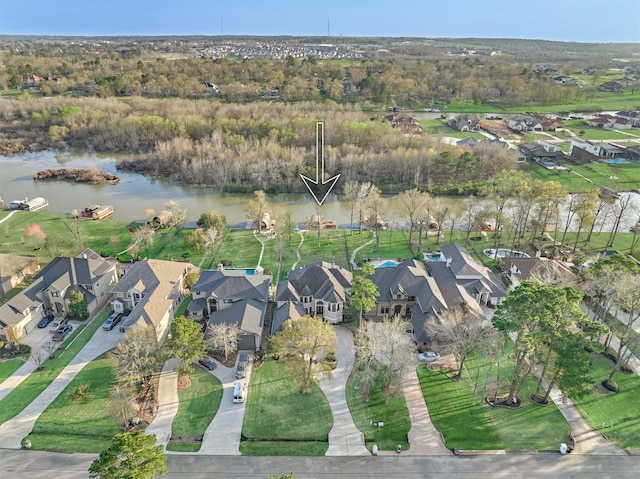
<point>247,342</point>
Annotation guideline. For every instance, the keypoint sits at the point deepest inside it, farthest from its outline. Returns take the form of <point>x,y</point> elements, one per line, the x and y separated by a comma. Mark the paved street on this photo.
<point>39,465</point>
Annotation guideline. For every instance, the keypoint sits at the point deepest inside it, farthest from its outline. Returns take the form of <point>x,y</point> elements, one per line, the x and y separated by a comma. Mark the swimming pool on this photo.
<point>387,264</point>
<point>616,161</point>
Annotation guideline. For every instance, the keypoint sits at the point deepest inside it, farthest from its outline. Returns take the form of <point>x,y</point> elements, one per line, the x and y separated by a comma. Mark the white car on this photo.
<point>428,357</point>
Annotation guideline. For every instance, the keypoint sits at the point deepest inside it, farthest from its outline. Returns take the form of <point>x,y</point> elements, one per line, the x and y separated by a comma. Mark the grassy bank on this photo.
<point>276,412</point>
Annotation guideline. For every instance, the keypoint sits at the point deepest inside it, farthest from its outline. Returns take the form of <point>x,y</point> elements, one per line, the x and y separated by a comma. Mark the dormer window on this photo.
<point>55,294</point>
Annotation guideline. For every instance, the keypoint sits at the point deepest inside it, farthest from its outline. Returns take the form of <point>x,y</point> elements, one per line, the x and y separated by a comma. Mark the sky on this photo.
<point>563,20</point>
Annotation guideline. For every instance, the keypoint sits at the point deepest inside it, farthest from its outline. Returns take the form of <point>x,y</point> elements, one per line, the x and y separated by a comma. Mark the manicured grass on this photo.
<point>391,244</point>
<point>283,448</point>
<point>440,127</point>
<point>38,381</point>
<point>332,248</point>
<point>620,177</point>
<point>468,423</point>
<point>182,309</point>
<point>7,368</point>
<point>614,415</point>
<point>242,248</point>
<point>392,411</point>
<point>276,411</point>
<point>67,426</point>
<point>587,132</point>
<point>198,405</point>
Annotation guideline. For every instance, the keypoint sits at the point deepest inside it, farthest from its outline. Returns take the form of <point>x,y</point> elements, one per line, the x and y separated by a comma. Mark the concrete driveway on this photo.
<point>345,439</point>
<point>13,431</point>
<point>222,437</point>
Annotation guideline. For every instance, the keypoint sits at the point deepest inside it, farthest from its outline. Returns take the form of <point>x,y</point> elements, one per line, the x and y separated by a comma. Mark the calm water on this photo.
<point>135,193</point>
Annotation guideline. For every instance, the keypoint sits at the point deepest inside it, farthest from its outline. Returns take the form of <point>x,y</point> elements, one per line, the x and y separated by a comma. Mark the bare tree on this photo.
<point>258,208</point>
<point>73,227</point>
<point>469,217</point>
<point>37,358</point>
<point>620,208</point>
<point>119,405</point>
<point>144,236</point>
<point>414,203</point>
<point>137,355</point>
<point>178,215</point>
<point>224,337</point>
<point>463,331</point>
<point>374,208</point>
<point>350,191</point>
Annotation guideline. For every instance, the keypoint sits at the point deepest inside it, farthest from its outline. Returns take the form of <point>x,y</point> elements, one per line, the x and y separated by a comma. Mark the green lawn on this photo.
<point>277,412</point>
<point>240,247</point>
<point>67,426</point>
<point>614,415</point>
<point>392,411</point>
<point>182,309</point>
<point>468,423</point>
<point>620,177</point>
<point>8,367</point>
<point>35,383</point>
<point>586,132</point>
<point>440,127</point>
<point>198,405</point>
<point>333,248</point>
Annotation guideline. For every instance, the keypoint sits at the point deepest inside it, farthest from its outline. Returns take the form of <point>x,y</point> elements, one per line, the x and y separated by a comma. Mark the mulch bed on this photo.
<point>503,402</point>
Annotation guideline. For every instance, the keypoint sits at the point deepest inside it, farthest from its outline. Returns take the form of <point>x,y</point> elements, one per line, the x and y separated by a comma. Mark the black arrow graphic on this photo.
<point>320,187</point>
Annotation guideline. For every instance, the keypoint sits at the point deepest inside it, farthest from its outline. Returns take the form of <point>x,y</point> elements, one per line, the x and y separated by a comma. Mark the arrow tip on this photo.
<point>320,190</point>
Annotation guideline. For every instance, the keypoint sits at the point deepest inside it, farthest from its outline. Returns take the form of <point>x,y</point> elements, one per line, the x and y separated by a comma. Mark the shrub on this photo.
<point>81,393</point>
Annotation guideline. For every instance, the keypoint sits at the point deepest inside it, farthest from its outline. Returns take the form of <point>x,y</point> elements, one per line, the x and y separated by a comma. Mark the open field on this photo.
<point>440,127</point>
<point>276,411</point>
<point>198,405</point>
<point>619,177</point>
<point>459,412</point>
<point>68,426</point>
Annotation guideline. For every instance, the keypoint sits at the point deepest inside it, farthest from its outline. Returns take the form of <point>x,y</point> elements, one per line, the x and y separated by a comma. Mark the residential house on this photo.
<point>464,123</point>
<point>524,123</point>
<point>232,296</point>
<point>467,142</point>
<point>458,270</point>
<point>602,121</point>
<point>404,122</point>
<point>621,124</point>
<point>14,270</point>
<point>321,288</point>
<point>565,80</point>
<point>632,116</point>
<point>519,269</point>
<point>287,310</point>
<point>408,290</point>
<point>541,151</point>
<point>31,80</point>
<point>612,86</point>
<point>149,293</point>
<point>581,152</point>
<point>50,290</point>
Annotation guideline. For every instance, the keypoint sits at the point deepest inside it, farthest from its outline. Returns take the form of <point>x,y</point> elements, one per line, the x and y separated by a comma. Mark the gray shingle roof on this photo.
<point>289,310</point>
<point>321,280</point>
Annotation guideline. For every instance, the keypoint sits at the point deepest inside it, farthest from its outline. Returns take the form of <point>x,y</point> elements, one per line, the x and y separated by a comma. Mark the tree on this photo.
<point>350,191</point>
<point>36,235</point>
<point>303,344</point>
<point>374,210</point>
<point>119,404</point>
<point>464,332</point>
<point>620,208</point>
<point>38,358</point>
<point>137,355</point>
<point>131,455</point>
<point>12,334</point>
<point>212,219</point>
<point>145,236</point>
<point>364,190</point>
<point>414,204</point>
<point>385,342</point>
<point>186,342</point>
<point>224,337</point>
<point>178,215</point>
<point>258,208</point>
<point>73,227</point>
<point>78,305</point>
<point>364,292</point>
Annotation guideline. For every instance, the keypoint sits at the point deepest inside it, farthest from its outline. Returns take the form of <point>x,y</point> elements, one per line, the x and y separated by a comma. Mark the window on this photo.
<point>120,295</point>
<point>319,307</point>
<point>89,288</point>
<point>227,301</point>
<point>55,294</point>
<point>411,298</point>
<point>384,310</point>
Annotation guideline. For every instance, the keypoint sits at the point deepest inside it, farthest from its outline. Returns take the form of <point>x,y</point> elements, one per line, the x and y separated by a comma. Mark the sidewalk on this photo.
<point>13,431</point>
<point>345,439</point>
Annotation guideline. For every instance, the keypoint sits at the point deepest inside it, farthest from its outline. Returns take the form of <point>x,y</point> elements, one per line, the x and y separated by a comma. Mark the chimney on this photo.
<point>449,262</point>
<point>220,267</point>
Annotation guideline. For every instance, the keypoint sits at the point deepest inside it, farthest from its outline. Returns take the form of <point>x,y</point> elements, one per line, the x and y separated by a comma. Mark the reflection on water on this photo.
<point>135,193</point>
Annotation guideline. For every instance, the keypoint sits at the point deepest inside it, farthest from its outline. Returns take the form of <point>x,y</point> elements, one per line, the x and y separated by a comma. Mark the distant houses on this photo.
<point>464,123</point>
<point>405,123</point>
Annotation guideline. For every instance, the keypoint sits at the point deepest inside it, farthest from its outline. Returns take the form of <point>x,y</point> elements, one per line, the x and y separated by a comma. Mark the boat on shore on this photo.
<point>34,204</point>
<point>96,212</point>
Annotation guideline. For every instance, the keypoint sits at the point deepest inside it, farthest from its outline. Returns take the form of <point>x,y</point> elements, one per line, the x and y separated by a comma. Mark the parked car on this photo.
<point>111,321</point>
<point>428,357</point>
<point>57,324</point>
<point>62,333</point>
<point>241,370</point>
<point>46,320</point>
<point>208,362</point>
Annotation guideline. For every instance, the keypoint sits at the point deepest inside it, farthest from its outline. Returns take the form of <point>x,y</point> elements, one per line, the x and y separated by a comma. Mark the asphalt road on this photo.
<point>16,464</point>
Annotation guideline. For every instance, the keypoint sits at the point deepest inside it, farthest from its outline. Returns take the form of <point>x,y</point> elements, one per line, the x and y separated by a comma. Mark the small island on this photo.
<point>93,176</point>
